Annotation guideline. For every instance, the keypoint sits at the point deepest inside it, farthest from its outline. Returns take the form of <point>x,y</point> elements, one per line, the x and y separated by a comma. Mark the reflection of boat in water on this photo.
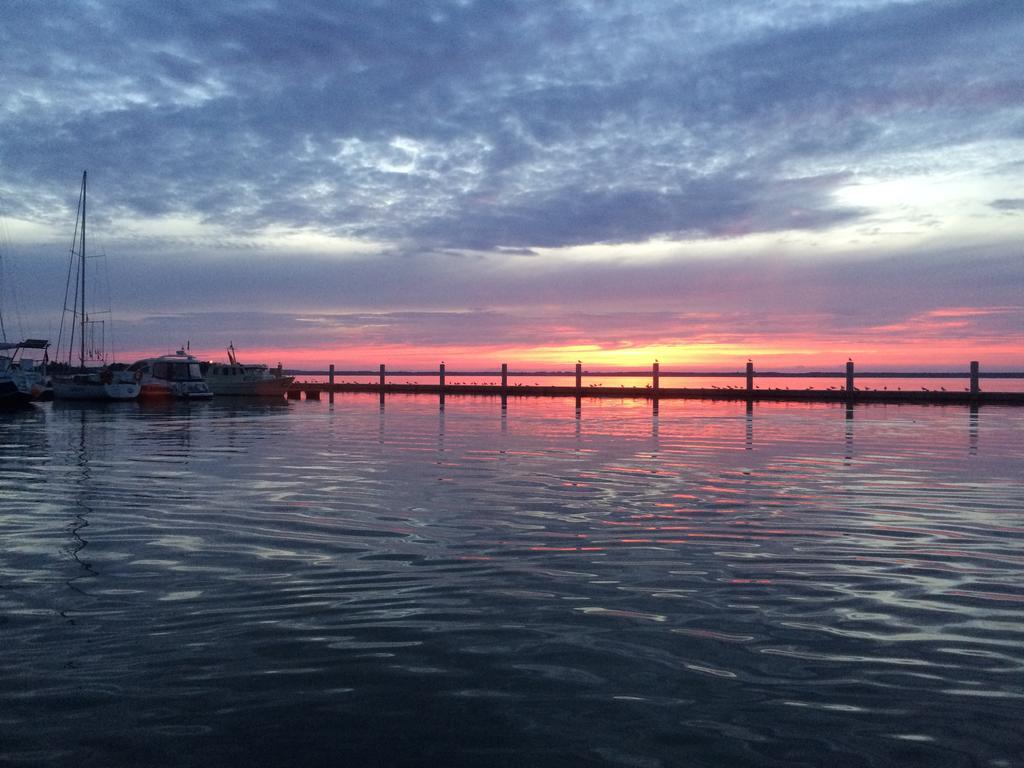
<point>176,376</point>
<point>22,378</point>
<point>108,382</point>
<point>244,379</point>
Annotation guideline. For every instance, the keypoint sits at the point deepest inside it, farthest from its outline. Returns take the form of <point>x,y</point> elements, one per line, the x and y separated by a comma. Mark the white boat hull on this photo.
<point>92,387</point>
<point>155,389</point>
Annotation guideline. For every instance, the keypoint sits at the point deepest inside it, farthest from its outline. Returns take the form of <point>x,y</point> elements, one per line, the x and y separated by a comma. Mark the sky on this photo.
<point>530,181</point>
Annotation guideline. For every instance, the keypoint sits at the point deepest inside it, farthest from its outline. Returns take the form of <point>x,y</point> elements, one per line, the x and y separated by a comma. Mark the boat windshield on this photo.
<point>177,371</point>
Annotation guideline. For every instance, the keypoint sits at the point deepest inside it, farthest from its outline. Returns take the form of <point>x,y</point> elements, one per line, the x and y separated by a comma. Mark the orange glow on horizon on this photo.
<point>892,352</point>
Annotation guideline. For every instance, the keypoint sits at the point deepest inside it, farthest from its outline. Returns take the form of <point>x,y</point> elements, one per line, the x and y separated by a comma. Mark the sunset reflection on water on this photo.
<point>728,582</point>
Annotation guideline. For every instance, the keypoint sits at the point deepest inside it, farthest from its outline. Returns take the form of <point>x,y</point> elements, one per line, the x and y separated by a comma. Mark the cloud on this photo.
<point>479,124</point>
<point>389,301</point>
<point>1010,205</point>
<point>725,206</point>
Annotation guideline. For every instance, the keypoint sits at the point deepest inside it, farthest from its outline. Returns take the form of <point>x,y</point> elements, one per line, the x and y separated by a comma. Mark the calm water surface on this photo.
<point>707,585</point>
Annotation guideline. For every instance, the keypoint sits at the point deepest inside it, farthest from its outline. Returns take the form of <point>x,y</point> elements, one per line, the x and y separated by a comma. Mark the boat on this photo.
<point>22,379</point>
<point>111,382</point>
<point>178,376</point>
<point>102,382</point>
<point>244,379</point>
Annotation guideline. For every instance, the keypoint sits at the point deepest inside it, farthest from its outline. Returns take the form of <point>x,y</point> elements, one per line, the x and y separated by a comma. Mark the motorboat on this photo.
<point>244,379</point>
<point>100,381</point>
<point>22,379</point>
<point>178,376</point>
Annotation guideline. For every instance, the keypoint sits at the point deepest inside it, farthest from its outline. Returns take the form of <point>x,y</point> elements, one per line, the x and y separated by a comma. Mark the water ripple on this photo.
<point>784,585</point>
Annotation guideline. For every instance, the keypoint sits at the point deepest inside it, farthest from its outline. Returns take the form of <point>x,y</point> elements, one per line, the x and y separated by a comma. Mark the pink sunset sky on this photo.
<point>530,183</point>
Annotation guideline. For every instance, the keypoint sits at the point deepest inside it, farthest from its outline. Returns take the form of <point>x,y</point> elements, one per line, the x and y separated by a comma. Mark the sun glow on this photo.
<point>626,355</point>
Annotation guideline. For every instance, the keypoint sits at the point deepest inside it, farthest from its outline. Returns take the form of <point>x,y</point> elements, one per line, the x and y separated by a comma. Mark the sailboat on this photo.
<point>22,376</point>
<point>107,382</point>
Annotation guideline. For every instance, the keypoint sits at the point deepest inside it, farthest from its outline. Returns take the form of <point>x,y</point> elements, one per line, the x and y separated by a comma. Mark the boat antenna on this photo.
<point>81,340</point>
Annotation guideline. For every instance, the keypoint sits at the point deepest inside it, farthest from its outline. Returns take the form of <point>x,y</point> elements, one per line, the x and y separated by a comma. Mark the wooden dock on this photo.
<point>845,392</point>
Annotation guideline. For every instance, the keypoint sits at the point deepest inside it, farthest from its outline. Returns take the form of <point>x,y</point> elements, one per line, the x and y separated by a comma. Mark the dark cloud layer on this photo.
<point>426,300</point>
<point>483,124</point>
<point>1008,204</point>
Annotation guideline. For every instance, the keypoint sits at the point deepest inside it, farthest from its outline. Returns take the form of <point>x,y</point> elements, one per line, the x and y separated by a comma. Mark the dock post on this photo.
<point>382,377</point>
<point>441,389</point>
<point>655,376</point>
<point>330,384</point>
<point>504,379</point>
<point>750,376</point>
<point>849,376</point>
<point>975,384</point>
<point>579,378</point>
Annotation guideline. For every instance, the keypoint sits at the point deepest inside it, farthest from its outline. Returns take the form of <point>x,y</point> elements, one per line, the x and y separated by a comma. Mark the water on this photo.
<point>708,585</point>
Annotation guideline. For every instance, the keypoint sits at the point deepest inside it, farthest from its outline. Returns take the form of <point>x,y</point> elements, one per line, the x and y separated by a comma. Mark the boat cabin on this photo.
<point>226,369</point>
<point>169,369</point>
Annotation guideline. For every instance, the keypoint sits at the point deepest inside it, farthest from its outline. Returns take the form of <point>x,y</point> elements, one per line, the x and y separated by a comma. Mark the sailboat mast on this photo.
<point>81,256</point>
